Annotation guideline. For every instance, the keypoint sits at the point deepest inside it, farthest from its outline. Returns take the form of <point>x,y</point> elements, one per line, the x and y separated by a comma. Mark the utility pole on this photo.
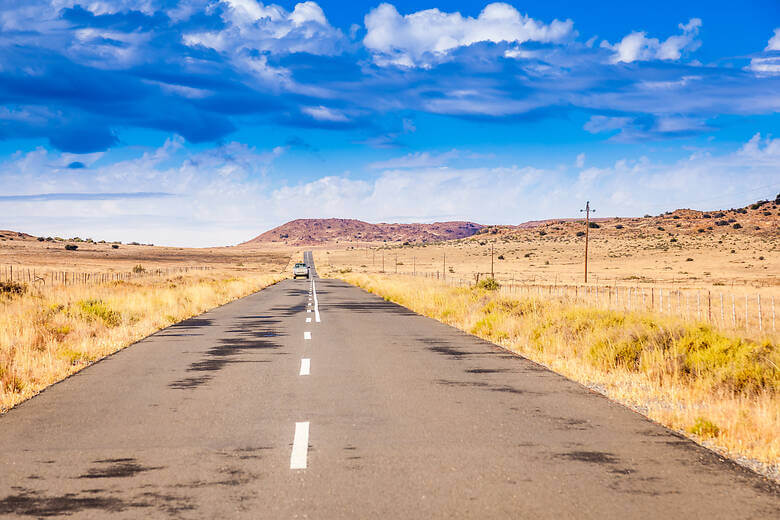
<point>492,275</point>
<point>587,211</point>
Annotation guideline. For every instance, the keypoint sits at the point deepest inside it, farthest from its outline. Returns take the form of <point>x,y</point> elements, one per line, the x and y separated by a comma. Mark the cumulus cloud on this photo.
<point>768,63</point>
<point>636,46</point>
<point>206,198</point>
<point>253,26</point>
<point>228,194</point>
<point>774,42</point>
<point>426,37</point>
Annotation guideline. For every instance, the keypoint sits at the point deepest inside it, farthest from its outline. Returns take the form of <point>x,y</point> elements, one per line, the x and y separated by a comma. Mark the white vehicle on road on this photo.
<point>300,269</point>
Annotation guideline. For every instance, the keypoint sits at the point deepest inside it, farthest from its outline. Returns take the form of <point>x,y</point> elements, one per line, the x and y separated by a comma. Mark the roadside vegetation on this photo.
<point>718,388</point>
<point>49,333</point>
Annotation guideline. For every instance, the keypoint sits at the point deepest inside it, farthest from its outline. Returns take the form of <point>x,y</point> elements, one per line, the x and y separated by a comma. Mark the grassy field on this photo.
<point>720,389</point>
<point>49,331</point>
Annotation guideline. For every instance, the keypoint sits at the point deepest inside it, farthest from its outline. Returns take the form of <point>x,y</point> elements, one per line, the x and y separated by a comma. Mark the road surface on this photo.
<point>314,399</point>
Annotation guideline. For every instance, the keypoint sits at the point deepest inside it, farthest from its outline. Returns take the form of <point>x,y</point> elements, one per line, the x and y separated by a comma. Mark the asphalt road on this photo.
<point>258,410</point>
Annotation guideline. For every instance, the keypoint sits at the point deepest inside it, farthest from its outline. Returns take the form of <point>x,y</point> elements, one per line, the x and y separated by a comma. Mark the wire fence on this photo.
<point>56,277</point>
<point>724,309</point>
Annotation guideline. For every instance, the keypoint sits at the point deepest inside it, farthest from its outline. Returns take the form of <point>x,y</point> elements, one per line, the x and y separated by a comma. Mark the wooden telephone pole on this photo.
<point>587,211</point>
<point>491,261</point>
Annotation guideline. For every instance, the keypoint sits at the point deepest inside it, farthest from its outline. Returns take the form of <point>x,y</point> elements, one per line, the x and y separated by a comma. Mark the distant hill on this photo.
<point>760,218</point>
<point>331,230</point>
<point>14,235</point>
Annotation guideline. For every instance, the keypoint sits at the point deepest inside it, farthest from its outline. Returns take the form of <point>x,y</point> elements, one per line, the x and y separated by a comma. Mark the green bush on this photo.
<point>98,309</point>
<point>489,284</point>
<point>704,428</point>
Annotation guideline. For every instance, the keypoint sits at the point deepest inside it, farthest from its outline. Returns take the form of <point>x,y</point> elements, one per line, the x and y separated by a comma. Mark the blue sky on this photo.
<point>206,122</point>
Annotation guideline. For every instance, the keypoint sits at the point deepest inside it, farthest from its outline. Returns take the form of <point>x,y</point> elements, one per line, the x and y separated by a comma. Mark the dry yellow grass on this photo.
<point>718,388</point>
<point>48,333</point>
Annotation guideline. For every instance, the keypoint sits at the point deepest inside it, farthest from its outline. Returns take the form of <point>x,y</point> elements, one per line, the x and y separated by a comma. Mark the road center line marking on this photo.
<point>316,302</point>
<point>308,320</point>
<point>305,366</point>
<point>300,446</point>
<point>307,335</point>
<point>308,310</point>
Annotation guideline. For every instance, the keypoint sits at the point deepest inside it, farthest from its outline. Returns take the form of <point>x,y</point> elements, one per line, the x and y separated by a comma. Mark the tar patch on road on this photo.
<point>116,468</point>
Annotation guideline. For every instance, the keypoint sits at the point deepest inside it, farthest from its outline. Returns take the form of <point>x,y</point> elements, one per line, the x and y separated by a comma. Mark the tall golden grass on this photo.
<point>47,334</point>
<point>718,388</point>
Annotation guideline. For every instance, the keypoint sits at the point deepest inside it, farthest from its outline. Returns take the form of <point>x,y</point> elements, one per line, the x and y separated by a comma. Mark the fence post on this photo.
<point>722,317</point>
<point>733,312</point>
<point>746,312</point>
<point>760,324</point>
<point>709,307</point>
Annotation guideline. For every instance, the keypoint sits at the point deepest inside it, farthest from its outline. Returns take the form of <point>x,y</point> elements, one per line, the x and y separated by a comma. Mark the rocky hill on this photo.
<point>761,218</point>
<point>333,230</point>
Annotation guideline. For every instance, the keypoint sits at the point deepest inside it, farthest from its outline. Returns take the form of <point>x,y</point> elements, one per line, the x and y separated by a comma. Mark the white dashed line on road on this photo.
<point>316,302</point>
<point>300,447</point>
<point>305,367</point>
<point>308,320</point>
<point>307,335</point>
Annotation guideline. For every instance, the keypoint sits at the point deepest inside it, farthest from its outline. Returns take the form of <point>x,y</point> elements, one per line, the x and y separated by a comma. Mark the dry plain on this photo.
<point>119,293</point>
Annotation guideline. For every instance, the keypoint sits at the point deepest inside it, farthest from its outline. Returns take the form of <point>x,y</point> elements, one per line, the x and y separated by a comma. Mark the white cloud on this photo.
<point>416,160</point>
<point>774,42</point>
<point>769,63</point>
<point>598,124</point>
<point>252,26</point>
<point>426,37</point>
<point>636,129</point>
<point>580,162</point>
<point>636,46</point>
<point>100,7</point>
<point>766,151</point>
<point>108,49</point>
<point>322,113</point>
<point>227,195</point>
<point>766,66</point>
